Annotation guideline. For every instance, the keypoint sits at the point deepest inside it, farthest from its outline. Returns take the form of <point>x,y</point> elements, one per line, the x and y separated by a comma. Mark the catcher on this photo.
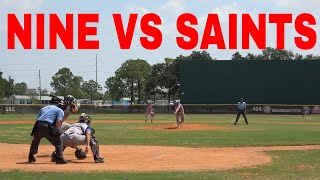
<point>149,112</point>
<point>81,133</point>
<point>179,113</point>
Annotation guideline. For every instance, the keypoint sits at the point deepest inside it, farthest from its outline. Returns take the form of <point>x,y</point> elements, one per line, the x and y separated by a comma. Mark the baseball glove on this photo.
<point>80,154</point>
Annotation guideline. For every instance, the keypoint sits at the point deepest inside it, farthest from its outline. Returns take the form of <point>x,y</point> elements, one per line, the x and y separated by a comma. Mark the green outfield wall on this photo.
<point>258,82</point>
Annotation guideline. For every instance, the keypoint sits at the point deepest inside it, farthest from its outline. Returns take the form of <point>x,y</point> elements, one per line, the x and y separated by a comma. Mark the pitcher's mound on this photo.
<point>184,127</point>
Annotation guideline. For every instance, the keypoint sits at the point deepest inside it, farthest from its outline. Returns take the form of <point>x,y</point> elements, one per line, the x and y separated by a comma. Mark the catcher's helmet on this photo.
<point>84,118</point>
<point>69,99</point>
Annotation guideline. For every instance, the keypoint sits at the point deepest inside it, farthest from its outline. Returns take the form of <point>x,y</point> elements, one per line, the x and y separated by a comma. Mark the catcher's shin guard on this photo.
<point>94,146</point>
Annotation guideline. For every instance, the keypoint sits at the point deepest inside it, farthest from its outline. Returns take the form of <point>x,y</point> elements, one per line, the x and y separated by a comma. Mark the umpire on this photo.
<point>241,110</point>
<point>47,126</point>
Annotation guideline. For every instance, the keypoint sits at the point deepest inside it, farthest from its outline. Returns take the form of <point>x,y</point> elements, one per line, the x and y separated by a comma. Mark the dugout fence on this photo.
<point>189,109</point>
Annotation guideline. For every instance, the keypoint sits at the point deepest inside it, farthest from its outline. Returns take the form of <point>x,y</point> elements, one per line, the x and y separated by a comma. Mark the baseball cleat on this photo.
<point>31,158</point>
<point>61,161</point>
<point>99,159</point>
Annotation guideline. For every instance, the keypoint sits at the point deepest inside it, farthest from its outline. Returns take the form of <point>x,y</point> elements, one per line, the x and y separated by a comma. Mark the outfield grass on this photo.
<point>262,131</point>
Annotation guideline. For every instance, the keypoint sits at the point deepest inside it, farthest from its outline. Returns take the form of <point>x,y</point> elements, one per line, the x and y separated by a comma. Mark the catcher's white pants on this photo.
<point>73,139</point>
<point>65,126</point>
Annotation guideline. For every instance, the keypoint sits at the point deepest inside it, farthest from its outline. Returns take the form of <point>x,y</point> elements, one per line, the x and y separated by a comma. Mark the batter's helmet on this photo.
<point>84,118</point>
<point>69,99</point>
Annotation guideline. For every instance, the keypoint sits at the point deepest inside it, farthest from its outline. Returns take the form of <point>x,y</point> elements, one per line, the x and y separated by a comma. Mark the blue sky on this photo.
<point>23,65</point>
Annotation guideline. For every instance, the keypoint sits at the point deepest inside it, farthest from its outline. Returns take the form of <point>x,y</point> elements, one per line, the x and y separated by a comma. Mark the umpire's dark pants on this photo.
<point>44,130</point>
<point>243,113</point>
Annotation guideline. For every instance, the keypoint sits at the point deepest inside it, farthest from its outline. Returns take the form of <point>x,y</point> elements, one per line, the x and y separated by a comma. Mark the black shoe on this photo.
<point>235,124</point>
<point>31,158</point>
<point>61,161</point>
<point>53,157</point>
<point>98,159</point>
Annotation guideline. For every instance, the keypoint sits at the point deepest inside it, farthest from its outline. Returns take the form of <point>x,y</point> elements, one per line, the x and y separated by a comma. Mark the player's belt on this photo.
<point>69,133</point>
<point>44,121</point>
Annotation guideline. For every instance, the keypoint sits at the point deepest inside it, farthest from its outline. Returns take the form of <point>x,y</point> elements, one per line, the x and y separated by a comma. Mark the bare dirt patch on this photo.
<point>74,121</point>
<point>144,158</point>
<point>185,127</point>
<point>133,158</point>
<point>303,167</point>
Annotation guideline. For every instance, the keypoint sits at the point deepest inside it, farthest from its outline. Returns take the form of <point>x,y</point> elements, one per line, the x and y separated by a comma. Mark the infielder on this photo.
<point>81,133</point>
<point>241,110</point>
<point>149,112</point>
<point>179,113</point>
<point>47,126</point>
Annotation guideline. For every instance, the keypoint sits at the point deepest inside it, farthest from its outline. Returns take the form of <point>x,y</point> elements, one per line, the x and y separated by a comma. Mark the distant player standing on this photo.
<point>179,113</point>
<point>241,111</point>
<point>149,112</point>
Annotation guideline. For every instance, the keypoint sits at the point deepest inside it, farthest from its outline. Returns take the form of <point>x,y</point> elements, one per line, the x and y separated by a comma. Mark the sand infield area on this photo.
<point>142,158</point>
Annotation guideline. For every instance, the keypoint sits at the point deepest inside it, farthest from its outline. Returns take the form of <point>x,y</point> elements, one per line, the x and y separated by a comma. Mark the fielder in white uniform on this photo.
<point>179,113</point>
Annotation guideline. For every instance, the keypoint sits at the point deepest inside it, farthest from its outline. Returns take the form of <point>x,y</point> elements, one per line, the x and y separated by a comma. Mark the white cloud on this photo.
<point>137,9</point>
<point>173,7</point>
<point>24,6</point>
<point>296,5</point>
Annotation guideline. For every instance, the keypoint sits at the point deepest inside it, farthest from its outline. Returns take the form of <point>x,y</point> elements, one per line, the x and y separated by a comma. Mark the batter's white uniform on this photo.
<point>65,126</point>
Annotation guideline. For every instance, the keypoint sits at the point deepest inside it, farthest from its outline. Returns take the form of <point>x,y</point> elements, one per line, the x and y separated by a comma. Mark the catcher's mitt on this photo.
<point>80,154</point>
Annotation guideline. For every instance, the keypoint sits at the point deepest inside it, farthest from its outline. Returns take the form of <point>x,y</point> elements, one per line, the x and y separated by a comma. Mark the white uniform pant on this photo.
<point>73,140</point>
<point>65,126</point>
<point>179,119</point>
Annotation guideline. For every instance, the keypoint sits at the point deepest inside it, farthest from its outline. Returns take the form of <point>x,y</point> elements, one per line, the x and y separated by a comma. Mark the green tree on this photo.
<point>238,56</point>
<point>251,57</point>
<point>298,57</point>
<point>196,55</point>
<point>3,83</point>
<point>9,87</point>
<point>64,83</point>
<point>20,88</point>
<point>92,88</point>
<point>311,57</point>
<point>163,79</point>
<point>134,74</point>
<point>277,54</point>
<point>115,88</point>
